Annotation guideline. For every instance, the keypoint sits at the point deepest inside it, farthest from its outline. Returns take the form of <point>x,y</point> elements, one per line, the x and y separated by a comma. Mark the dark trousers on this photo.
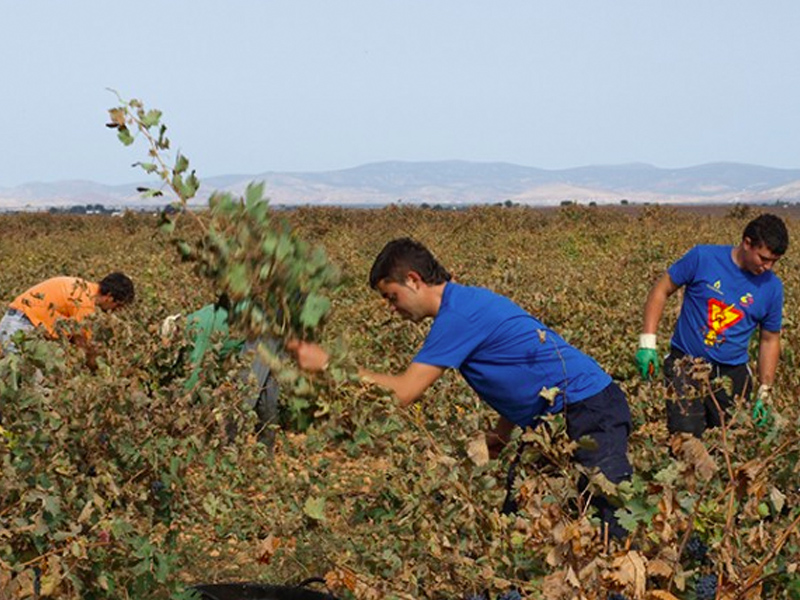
<point>606,418</point>
<point>693,410</point>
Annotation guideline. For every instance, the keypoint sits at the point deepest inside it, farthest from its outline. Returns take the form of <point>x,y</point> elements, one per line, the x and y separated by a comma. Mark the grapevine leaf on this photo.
<point>181,164</point>
<point>151,118</point>
<point>315,508</point>
<point>124,135</point>
<point>238,282</point>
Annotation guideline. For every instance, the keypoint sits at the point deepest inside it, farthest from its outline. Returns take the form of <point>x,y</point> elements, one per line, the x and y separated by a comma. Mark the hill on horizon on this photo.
<point>453,182</point>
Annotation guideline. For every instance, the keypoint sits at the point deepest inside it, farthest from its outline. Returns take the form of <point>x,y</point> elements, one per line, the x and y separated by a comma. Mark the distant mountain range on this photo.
<point>454,182</point>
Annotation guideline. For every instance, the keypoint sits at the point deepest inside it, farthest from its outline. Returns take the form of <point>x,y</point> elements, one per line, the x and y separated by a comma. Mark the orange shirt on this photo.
<point>57,298</point>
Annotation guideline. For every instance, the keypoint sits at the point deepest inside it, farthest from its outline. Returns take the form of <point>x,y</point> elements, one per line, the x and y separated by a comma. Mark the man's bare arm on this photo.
<point>407,386</point>
<point>769,352</point>
<point>656,300</point>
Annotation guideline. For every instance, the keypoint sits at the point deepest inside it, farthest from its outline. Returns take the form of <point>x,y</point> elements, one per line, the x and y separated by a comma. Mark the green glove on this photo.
<point>761,411</point>
<point>647,356</point>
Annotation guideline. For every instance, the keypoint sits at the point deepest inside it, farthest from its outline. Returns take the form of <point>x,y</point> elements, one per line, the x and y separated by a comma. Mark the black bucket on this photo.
<point>257,591</point>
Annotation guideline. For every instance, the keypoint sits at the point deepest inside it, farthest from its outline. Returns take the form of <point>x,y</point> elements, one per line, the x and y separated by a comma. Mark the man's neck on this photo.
<point>435,293</point>
<point>736,255</point>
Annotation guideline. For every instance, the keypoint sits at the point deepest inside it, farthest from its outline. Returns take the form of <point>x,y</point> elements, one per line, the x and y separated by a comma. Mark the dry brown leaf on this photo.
<point>341,577</point>
<point>556,586</point>
<point>694,453</point>
<point>477,450</point>
<point>630,570</point>
<point>778,499</point>
<point>572,578</point>
<point>659,568</point>
<point>267,548</point>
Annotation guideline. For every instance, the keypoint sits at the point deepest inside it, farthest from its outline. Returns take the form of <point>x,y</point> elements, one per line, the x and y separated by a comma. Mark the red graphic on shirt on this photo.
<point>721,316</point>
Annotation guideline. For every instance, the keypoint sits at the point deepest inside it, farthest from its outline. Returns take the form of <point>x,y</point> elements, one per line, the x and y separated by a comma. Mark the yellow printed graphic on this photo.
<point>720,317</point>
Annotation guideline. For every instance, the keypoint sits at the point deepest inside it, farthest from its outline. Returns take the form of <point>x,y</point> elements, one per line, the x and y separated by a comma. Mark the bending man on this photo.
<point>506,355</point>
<point>64,298</point>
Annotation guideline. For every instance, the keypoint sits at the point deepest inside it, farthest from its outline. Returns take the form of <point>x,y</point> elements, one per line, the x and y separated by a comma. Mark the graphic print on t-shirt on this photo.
<point>721,316</point>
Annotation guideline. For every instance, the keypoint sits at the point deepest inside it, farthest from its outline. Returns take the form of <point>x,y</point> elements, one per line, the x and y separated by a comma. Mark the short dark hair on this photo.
<point>119,286</point>
<point>770,231</point>
<point>400,256</point>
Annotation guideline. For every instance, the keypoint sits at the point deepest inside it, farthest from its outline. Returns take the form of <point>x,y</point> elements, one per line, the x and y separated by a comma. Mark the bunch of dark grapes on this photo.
<point>617,596</point>
<point>481,596</point>
<point>706,588</point>
<point>696,549</point>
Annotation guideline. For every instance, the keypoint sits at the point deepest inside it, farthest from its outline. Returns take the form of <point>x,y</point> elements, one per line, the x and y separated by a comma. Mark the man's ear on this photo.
<point>414,279</point>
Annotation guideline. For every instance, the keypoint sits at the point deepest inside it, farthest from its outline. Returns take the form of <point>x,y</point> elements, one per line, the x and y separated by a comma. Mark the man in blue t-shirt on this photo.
<point>729,291</point>
<point>515,363</point>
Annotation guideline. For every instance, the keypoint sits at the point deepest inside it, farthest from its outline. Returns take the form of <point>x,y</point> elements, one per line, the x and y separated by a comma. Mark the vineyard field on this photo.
<point>119,483</point>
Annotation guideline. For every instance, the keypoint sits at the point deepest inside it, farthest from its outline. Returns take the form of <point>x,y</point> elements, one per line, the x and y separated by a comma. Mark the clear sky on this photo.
<point>249,86</point>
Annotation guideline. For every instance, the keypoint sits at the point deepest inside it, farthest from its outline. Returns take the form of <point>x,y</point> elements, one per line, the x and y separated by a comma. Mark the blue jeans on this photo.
<point>13,321</point>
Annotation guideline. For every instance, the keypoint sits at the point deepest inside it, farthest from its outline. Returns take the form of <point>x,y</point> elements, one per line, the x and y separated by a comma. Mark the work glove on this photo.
<point>647,356</point>
<point>761,410</point>
<point>169,326</point>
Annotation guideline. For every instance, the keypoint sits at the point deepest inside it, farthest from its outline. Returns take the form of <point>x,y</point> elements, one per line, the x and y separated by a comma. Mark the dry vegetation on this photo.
<point>119,484</point>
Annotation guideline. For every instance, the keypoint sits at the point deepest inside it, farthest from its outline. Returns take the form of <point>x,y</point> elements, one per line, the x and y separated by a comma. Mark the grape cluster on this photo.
<point>617,596</point>
<point>696,549</point>
<point>706,588</point>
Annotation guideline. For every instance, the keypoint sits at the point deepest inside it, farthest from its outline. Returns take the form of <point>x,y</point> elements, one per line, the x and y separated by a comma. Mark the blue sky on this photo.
<point>293,85</point>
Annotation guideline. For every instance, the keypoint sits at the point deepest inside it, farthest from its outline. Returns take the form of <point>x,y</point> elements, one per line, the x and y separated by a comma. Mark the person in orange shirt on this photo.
<point>63,298</point>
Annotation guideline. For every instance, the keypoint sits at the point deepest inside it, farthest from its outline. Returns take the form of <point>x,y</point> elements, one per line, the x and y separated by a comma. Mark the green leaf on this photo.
<point>124,136</point>
<point>315,508</point>
<point>147,167</point>
<point>238,282</point>
<point>314,309</point>
<point>162,568</point>
<point>167,226</point>
<point>284,247</point>
<point>192,185</point>
<point>151,118</point>
<point>52,505</point>
<point>181,164</point>
<point>184,248</point>
<point>163,142</point>
<point>254,193</point>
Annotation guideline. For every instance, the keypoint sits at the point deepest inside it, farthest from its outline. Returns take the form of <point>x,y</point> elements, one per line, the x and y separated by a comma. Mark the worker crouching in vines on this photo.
<point>508,357</point>
<point>61,300</point>
<point>209,324</point>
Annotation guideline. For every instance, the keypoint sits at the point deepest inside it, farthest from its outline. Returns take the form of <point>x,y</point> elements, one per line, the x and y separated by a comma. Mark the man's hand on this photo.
<point>761,410</point>
<point>647,356</point>
<point>309,357</point>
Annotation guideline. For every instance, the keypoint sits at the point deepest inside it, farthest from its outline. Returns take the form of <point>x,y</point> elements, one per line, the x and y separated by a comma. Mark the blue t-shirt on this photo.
<point>507,356</point>
<point>722,305</point>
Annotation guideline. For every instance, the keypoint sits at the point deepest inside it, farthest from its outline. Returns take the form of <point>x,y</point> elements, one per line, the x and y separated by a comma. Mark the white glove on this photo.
<point>169,326</point>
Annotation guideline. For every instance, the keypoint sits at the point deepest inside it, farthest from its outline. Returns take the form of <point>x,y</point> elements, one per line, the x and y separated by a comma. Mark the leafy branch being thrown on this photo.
<point>277,283</point>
